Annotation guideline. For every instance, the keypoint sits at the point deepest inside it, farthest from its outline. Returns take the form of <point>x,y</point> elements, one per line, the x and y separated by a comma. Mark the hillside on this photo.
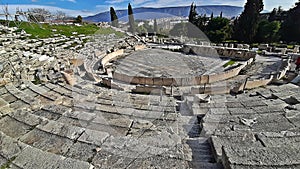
<point>47,30</point>
<point>152,13</point>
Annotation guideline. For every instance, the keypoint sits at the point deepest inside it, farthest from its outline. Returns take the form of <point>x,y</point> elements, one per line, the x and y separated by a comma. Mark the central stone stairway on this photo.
<point>199,145</point>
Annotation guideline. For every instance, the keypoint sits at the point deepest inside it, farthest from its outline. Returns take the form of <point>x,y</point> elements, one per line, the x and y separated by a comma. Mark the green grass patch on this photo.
<point>259,52</point>
<point>290,46</point>
<point>8,163</point>
<point>46,30</point>
<point>230,63</point>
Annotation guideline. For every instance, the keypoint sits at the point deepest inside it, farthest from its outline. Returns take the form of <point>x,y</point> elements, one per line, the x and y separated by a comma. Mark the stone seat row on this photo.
<point>16,154</point>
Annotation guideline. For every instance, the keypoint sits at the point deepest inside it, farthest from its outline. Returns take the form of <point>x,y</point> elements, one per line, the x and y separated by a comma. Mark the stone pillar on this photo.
<point>154,39</point>
<point>296,49</point>
<point>283,51</point>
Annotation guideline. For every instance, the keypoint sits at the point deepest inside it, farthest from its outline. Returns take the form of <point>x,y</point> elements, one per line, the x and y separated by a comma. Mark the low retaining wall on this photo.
<point>213,51</point>
<point>140,47</point>
<point>211,90</point>
<point>149,90</point>
<point>111,56</point>
<point>252,84</point>
<point>108,82</point>
<point>258,83</point>
<point>190,81</point>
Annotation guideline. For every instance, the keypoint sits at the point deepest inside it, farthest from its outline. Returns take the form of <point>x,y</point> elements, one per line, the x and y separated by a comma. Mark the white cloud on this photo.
<point>74,1</point>
<point>163,3</point>
<point>115,1</point>
<point>102,8</point>
<point>141,2</point>
<point>286,4</point>
<point>52,9</point>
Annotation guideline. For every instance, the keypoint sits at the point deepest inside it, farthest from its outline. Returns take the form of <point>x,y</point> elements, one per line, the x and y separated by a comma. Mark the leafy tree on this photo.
<point>38,14</point>
<point>78,19</point>
<point>60,15</point>
<point>277,14</point>
<point>201,22</point>
<point>290,31</point>
<point>246,25</point>
<point>131,19</point>
<point>268,32</point>
<point>179,29</point>
<point>114,17</point>
<point>218,29</point>
<point>142,29</point>
<point>145,28</point>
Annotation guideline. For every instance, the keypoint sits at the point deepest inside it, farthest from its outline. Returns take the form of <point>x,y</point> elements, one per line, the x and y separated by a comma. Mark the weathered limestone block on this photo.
<point>69,77</point>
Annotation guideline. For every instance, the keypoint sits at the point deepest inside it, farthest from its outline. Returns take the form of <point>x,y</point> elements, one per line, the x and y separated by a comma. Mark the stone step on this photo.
<point>97,120</point>
<point>75,89</point>
<point>237,156</point>
<point>4,107</point>
<point>206,165</point>
<point>145,105</point>
<point>33,102</point>
<point>44,92</point>
<point>20,155</point>
<point>137,113</point>
<point>116,125</point>
<point>59,90</point>
<point>3,103</point>
<point>201,151</point>
<point>64,130</point>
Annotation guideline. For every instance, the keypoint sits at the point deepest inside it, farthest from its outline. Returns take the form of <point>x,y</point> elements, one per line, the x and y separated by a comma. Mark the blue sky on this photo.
<point>91,7</point>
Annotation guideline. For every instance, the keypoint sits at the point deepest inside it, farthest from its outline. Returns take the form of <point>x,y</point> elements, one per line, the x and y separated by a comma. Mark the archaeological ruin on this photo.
<point>104,101</point>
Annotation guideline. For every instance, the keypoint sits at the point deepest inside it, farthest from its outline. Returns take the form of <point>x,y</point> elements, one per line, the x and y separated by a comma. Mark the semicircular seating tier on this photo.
<point>56,113</point>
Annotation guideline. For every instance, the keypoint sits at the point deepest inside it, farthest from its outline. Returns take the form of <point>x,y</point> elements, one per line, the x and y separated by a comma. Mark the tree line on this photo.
<point>42,15</point>
<point>133,27</point>
<point>251,26</point>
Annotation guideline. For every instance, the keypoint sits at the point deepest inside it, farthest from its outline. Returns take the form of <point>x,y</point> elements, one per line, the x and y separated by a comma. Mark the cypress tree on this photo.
<point>114,17</point>
<point>272,16</point>
<point>221,15</point>
<point>212,16</point>
<point>155,26</point>
<point>193,22</point>
<point>245,27</point>
<point>193,14</point>
<point>131,19</point>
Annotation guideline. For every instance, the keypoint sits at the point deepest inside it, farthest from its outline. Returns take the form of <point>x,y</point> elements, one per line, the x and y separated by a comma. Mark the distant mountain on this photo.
<point>152,13</point>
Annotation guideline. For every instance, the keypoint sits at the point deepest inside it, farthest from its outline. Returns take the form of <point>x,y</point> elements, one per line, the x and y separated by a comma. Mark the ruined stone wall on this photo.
<point>209,89</point>
<point>251,84</point>
<point>258,83</point>
<point>215,51</point>
<point>149,90</point>
<point>111,56</point>
<point>188,81</point>
<point>140,47</point>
